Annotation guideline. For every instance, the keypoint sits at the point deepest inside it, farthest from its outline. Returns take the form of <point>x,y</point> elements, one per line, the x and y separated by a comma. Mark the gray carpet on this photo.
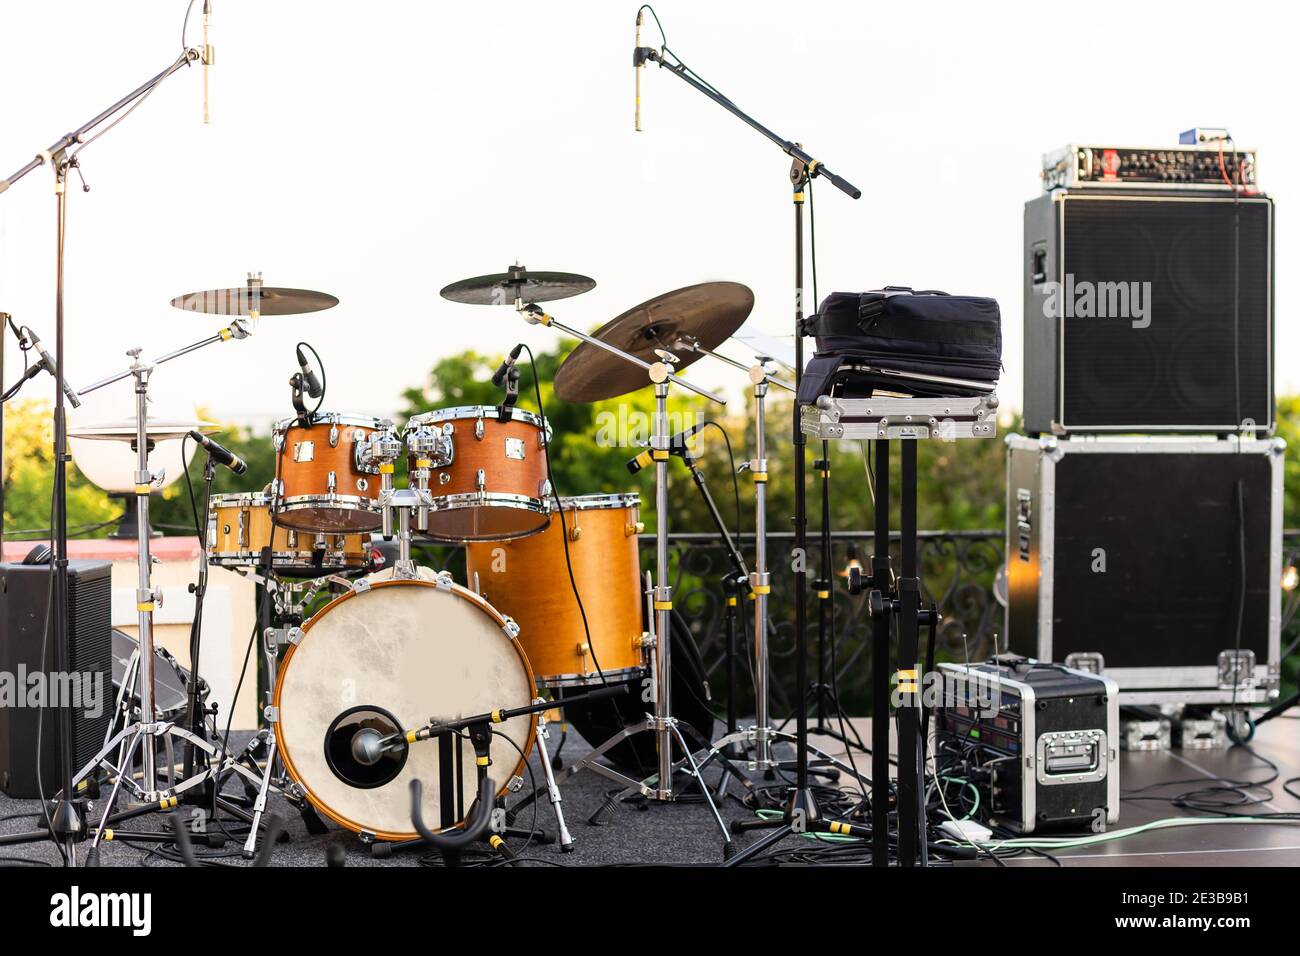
<point>637,832</point>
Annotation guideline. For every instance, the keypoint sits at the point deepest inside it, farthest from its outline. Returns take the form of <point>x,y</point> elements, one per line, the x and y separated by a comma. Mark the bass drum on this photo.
<point>389,658</point>
<point>599,720</point>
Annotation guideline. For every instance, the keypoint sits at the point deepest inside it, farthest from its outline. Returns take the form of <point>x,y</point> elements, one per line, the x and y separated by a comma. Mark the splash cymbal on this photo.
<point>707,313</point>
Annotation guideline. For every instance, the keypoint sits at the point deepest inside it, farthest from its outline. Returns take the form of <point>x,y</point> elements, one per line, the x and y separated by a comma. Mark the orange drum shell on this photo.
<point>519,768</point>
<point>502,475</point>
<point>505,476</point>
<point>531,584</point>
<point>306,478</point>
<point>347,550</point>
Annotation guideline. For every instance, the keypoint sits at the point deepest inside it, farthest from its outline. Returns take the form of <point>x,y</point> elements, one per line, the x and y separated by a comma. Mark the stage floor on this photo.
<point>687,833</point>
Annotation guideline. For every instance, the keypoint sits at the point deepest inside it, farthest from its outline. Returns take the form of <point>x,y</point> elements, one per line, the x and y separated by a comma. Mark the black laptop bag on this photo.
<point>898,340</point>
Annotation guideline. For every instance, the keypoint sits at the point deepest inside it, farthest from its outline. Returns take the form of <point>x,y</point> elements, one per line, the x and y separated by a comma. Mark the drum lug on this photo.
<point>292,538</point>
<point>334,435</point>
<point>575,532</point>
<point>544,488</point>
<point>633,529</point>
<point>277,441</point>
<point>478,429</point>
<point>480,480</point>
<point>446,581</point>
<point>360,585</point>
<point>510,627</point>
<point>516,782</point>
<point>243,529</point>
<point>331,482</point>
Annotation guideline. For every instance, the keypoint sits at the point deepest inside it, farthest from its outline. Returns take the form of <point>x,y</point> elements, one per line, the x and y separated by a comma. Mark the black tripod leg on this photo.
<point>881,626</point>
<point>776,836</point>
<point>909,609</point>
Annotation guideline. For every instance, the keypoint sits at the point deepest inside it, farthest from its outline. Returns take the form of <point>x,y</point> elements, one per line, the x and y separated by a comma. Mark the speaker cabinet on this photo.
<point>1139,557</point>
<point>1148,313</point>
<point>24,605</point>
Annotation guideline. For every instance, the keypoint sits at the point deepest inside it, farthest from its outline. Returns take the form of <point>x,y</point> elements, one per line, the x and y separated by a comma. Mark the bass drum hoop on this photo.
<point>283,669</point>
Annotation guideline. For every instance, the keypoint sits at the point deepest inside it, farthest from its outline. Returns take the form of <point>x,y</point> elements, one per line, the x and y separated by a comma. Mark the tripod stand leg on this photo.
<point>259,805</point>
<point>123,772</point>
<point>699,779</point>
<point>552,788</point>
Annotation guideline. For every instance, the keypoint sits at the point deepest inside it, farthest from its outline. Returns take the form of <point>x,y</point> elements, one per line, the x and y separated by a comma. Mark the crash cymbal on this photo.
<point>265,300</point>
<point>158,429</point>
<point>707,313</point>
<point>503,288</point>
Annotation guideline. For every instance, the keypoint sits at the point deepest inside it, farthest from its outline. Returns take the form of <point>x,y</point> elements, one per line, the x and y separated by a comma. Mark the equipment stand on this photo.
<point>660,722</point>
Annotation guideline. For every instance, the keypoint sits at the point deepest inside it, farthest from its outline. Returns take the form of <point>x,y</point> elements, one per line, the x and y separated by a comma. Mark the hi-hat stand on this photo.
<point>66,820</point>
<point>801,808</point>
<point>661,723</point>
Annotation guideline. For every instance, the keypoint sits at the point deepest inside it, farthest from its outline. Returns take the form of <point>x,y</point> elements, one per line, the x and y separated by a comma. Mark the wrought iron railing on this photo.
<point>958,570</point>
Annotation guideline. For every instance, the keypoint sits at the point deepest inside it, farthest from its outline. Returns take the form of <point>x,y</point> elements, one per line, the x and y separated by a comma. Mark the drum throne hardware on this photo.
<point>511,287</point>
<point>801,807</point>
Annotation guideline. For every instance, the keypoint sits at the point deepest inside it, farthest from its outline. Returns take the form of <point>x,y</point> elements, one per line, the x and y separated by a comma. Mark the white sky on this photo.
<point>378,151</point>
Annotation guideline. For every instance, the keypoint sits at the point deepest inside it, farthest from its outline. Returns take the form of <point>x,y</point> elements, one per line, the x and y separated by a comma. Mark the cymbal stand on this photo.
<point>661,723</point>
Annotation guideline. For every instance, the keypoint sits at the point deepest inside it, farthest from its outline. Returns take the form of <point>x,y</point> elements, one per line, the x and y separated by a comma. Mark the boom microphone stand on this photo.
<point>67,821</point>
<point>801,809</point>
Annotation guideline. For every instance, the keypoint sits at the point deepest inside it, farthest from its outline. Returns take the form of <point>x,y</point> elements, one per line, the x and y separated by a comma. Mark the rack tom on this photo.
<point>529,580</point>
<point>329,471</point>
<point>239,529</point>
<point>487,477</point>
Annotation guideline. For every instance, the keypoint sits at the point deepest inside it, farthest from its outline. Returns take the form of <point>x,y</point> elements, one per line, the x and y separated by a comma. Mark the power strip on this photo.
<point>967,831</point>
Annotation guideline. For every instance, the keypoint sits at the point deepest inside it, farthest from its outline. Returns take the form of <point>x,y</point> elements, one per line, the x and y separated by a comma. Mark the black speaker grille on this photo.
<point>1170,589</point>
<point>91,640</point>
<point>1178,372</point>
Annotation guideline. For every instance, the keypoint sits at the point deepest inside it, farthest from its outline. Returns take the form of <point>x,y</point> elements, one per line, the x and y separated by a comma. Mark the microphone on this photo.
<point>676,446</point>
<point>207,57</point>
<point>220,454</point>
<point>638,63</point>
<point>499,376</point>
<point>309,379</point>
<point>48,361</point>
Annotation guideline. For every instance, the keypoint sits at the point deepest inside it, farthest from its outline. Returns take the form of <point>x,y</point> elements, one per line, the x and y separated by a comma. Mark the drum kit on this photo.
<point>554,603</point>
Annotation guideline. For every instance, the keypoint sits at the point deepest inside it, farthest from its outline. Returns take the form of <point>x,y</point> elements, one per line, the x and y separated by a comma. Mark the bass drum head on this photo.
<point>602,719</point>
<point>389,659</point>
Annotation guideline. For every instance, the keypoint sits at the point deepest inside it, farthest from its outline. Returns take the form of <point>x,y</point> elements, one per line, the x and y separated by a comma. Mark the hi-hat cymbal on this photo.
<point>265,300</point>
<point>157,429</point>
<point>706,313</point>
<point>503,288</point>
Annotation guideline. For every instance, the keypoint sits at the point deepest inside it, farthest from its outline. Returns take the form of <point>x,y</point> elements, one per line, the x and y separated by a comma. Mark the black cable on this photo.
<point>320,364</point>
<point>559,507</point>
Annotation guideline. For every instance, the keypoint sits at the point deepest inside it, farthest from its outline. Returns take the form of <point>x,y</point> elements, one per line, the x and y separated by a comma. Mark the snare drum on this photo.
<point>489,483</point>
<point>529,580</point>
<point>239,527</point>
<point>329,475</point>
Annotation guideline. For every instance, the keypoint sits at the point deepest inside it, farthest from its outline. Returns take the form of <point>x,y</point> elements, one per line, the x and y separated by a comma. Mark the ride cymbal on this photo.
<point>503,288</point>
<point>707,313</point>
